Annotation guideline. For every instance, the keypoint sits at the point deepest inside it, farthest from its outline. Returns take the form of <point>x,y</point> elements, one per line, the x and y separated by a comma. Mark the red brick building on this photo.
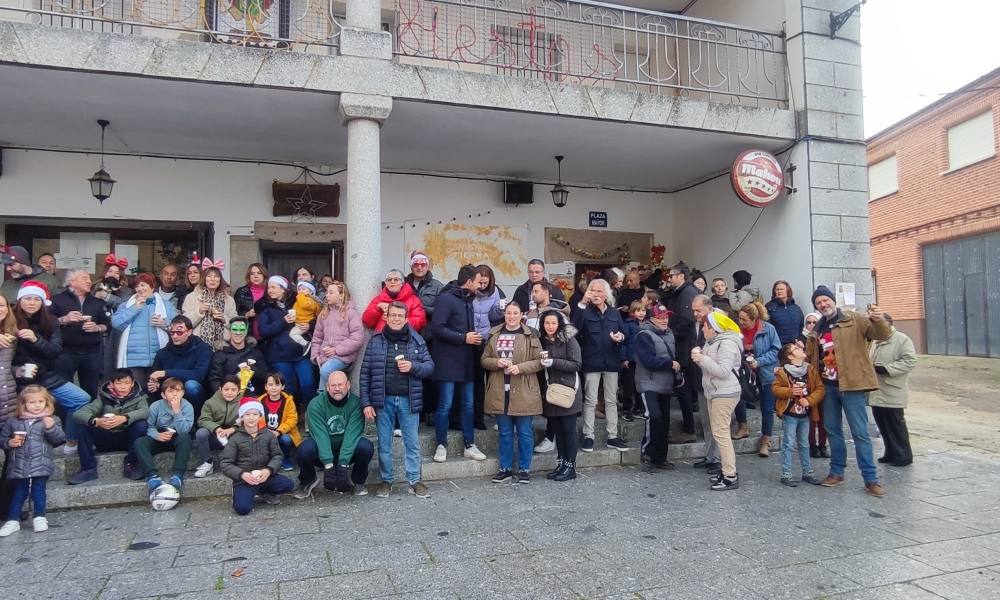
<point>934,190</point>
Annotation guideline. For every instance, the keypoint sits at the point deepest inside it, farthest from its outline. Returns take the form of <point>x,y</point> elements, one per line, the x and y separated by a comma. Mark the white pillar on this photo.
<point>364,14</point>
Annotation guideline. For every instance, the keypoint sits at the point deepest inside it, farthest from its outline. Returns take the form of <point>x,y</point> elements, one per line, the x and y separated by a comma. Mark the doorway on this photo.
<point>321,258</point>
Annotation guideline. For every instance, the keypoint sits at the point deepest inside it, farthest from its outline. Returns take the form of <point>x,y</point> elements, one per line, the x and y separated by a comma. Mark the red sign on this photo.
<point>757,178</point>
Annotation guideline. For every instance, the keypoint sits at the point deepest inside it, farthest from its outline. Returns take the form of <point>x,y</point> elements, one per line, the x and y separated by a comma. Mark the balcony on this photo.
<point>562,41</point>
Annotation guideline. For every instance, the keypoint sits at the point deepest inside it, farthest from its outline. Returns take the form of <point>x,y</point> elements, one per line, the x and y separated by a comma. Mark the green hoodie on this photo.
<point>335,428</point>
<point>217,413</point>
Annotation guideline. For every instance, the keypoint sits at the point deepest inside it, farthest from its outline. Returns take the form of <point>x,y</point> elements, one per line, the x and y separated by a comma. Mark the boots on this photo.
<point>568,472</point>
<point>741,432</point>
<point>555,472</point>
<point>764,450</point>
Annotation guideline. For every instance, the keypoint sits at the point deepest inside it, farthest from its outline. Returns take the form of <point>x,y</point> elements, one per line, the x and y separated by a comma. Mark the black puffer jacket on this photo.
<point>43,353</point>
<point>226,361</point>
<point>566,364</point>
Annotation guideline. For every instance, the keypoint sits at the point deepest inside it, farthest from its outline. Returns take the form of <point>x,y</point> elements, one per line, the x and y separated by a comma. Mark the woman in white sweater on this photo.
<point>718,360</point>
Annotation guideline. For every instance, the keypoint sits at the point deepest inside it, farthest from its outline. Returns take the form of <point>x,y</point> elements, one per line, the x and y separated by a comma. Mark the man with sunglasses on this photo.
<point>240,349</point>
<point>187,358</point>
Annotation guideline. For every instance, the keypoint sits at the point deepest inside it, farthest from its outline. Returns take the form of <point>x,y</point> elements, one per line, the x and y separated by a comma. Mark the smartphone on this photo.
<point>162,429</point>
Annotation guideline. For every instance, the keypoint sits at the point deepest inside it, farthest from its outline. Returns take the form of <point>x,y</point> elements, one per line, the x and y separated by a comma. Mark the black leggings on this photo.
<point>566,436</point>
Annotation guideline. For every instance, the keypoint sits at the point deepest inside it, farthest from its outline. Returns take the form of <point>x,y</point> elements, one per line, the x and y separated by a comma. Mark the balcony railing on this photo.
<point>572,41</point>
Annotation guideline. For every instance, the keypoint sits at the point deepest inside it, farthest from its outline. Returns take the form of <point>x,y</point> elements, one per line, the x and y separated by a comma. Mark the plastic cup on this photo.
<point>291,311</point>
<point>30,370</point>
<point>256,474</point>
<point>400,357</point>
<point>20,435</point>
<point>109,415</point>
<point>87,317</point>
<point>544,354</point>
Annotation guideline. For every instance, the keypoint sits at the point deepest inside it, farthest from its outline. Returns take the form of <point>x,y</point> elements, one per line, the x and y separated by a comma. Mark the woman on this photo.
<point>718,362</point>
<point>720,296</point>
<point>487,311</point>
<point>761,346</point>
<point>39,343</point>
<point>817,433</point>
<point>247,296</point>
<point>114,288</point>
<point>786,316</point>
<point>698,281</point>
<point>511,359</point>
<point>324,282</point>
<point>338,335</point>
<point>142,321</point>
<point>8,387</point>
<point>209,306</point>
<point>561,366</point>
<point>283,354</point>
<point>808,325</point>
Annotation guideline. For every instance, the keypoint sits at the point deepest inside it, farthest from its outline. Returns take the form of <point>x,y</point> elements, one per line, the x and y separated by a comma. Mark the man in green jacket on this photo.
<point>336,425</point>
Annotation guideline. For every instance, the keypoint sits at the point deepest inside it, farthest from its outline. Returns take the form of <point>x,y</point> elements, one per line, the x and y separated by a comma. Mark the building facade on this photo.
<point>935,221</point>
<point>406,118</point>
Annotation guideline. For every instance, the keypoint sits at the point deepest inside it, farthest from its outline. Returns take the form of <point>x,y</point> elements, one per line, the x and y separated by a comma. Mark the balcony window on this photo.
<point>970,141</point>
<point>883,178</point>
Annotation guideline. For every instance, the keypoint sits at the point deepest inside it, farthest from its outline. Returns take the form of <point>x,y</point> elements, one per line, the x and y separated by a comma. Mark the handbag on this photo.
<point>558,394</point>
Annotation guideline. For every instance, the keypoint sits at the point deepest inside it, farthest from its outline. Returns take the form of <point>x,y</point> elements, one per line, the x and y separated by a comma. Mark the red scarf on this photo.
<point>749,335</point>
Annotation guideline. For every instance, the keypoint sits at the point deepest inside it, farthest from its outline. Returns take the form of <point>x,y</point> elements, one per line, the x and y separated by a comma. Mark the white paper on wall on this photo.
<point>845,295</point>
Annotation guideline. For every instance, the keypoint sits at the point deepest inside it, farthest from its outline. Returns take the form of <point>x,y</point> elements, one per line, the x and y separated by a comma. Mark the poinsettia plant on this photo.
<point>656,253</point>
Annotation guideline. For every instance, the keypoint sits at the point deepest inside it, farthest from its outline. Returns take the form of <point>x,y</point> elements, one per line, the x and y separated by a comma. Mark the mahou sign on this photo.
<point>757,178</point>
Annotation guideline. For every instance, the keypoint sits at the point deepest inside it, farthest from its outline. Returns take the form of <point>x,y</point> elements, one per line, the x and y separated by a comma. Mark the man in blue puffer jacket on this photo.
<point>395,362</point>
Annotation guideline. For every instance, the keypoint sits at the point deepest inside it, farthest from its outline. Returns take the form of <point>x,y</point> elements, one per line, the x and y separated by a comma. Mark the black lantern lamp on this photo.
<point>101,183</point>
<point>560,194</point>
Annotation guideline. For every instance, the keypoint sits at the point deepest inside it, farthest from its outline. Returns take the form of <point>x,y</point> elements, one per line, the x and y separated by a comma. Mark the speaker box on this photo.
<point>517,192</point>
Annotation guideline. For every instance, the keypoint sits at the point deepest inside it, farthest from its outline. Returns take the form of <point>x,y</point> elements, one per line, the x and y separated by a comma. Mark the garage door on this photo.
<point>962,296</point>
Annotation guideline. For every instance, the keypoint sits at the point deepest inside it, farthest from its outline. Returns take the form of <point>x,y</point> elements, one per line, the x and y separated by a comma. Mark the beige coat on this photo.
<point>851,335</point>
<point>525,391</point>
<point>898,356</point>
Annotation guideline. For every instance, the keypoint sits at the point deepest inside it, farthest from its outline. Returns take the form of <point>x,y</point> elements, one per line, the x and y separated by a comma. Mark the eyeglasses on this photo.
<point>177,331</point>
<point>389,279</point>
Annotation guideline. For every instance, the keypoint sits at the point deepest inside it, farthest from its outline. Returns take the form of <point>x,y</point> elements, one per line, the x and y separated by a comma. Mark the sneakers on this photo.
<point>546,445</point>
<point>502,476</point>
<point>706,464</point>
<point>787,480</point>
<point>287,466</point>
<point>627,416</point>
<point>69,450</point>
<point>420,490</point>
<point>810,479</point>
<point>473,453</point>
<point>874,489</point>
<point>153,482</point>
<point>40,524</point>
<point>305,491</point>
<point>177,481</point>
<point>271,499</point>
<point>10,527</point>
<point>618,444</point>
<point>397,433</point>
<point>82,476</point>
<point>639,414</point>
<point>587,445</point>
<point>523,477</point>
<point>441,454</point>
<point>203,470</point>
<point>383,489</point>
<point>726,483</point>
<point>132,471</point>
<point>360,489</point>
<point>832,480</point>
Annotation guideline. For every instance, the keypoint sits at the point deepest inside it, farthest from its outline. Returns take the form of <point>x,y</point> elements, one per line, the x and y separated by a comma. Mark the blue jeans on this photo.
<point>298,378</point>
<point>766,409</point>
<point>243,494</point>
<point>19,493</point>
<point>332,364</point>
<point>795,432</point>
<point>446,390</point>
<point>72,398</point>
<point>398,407</point>
<point>287,446</point>
<point>525,441</point>
<point>194,393</point>
<point>836,405</point>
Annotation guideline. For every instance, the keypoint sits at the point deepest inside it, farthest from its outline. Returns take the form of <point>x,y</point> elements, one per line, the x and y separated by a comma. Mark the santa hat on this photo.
<point>35,288</point>
<point>250,403</point>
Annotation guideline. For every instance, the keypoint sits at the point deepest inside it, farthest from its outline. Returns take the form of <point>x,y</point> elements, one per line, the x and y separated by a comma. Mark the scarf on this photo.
<point>798,372</point>
<point>159,308</point>
<point>209,329</point>
<point>748,335</point>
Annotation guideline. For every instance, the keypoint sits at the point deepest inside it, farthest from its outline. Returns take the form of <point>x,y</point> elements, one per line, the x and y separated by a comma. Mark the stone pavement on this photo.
<point>615,532</point>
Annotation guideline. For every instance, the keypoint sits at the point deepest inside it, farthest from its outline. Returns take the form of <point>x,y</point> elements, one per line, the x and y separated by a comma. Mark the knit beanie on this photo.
<point>278,279</point>
<point>822,290</point>
<point>721,323</point>
<point>309,286</point>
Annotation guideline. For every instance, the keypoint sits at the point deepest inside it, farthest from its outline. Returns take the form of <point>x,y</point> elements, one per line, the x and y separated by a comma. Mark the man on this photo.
<point>541,297</point>
<point>47,261</point>
<point>632,290</point>
<point>169,291</point>
<point>680,295</point>
<point>336,426</point>
<point>394,288</point>
<point>893,360</point>
<point>701,305</point>
<point>838,346</point>
<point>454,354</point>
<point>18,269</point>
<point>391,389</point>
<point>422,281</point>
<point>237,351</point>
<point>655,370</point>
<point>187,358</point>
<point>536,274</point>
<point>83,321</point>
<point>114,420</point>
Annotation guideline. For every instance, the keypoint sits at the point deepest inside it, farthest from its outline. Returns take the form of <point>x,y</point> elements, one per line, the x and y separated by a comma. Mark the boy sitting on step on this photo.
<point>168,428</point>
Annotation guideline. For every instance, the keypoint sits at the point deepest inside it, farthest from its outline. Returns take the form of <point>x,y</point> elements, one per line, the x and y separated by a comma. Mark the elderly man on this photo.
<point>893,359</point>
<point>18,269</point>
<point>536,274</point>
<point>423,283</point>
<point>84,322</point>
<point>838,346</point>
<point>394,289</point>
<point>187,358</point>
<point>336,427</point>
<point>169,291</point>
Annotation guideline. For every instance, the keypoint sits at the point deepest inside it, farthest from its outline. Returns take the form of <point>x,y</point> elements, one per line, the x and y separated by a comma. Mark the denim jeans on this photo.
<point>525,441</point>
<point>795,432</point>
<point>398,407</point>
<point>332,364</point>
<point>194,393</point>
<point>766,409</point>
<point>72,398</point>
<point>299,379</point>
<point>287,447</point>
<point>836,405</point>
<point>243,494</point>
<point>19,493</point>
<point>446,390</point>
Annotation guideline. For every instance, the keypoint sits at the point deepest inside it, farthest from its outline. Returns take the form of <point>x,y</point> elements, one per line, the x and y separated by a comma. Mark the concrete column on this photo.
<point>364,14</point>
<point>363,35</point>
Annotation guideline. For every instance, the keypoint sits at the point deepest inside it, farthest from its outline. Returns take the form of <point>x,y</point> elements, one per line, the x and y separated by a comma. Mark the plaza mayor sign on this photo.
<point>757,178</point>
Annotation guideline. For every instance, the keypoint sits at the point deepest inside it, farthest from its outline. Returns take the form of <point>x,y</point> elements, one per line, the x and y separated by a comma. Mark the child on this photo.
<point>631,401</point>
<point>281,417</point>
<point>28,439</point>
<point>651,298</point>
<point>168,428</point>
<point>798,392</point>
<point>216,423</point>
<point>306,309</point>
<point>251,459</point>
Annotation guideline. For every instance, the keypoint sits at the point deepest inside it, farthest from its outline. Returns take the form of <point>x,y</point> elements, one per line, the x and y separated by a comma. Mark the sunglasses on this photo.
<point>177,331</point>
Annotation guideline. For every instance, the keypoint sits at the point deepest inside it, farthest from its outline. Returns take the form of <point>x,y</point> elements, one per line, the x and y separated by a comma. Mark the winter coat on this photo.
<point>288,420</point>
<point>427,290</point>
<point>243,299</point>
<point>899,357</point>
<point>783,398</point>
<point>373,369</point>
<point>75,339</point>
<point>851,333</point>
<point>226,361</point>
<point>525,393</point>
<point>627,296</point>
<point>335,429</point>
<point>454,360</point>
<point>787,319</point>
<point>188,361</point>
<point>34,458</point>
<point>531,316</point>
<point>600,353</point>
<point>374,319</point>
<point>740,298</point>
<point>10,286</point>
<point>244,452</point>
<point>42,352</point>
<point>654,360</point>
<point>192,310</point>
<point>142,340</point>
<point>134,406</point>
<point>682,321</point>
<point>273,329</point>
<point>566,364</point>
<point>487,312</point>
<point>160,415</point>
<point>522,295</point>
<point>345,334</point>
<point>765,349</point>
<point>216,413</point>
<point>631,329</point>
<point>8,387</point>
<point>720,357</point>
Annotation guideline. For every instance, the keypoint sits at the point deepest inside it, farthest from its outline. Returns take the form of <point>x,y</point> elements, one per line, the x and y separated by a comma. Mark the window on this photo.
<point>882,178</point>
<point>970,141</point>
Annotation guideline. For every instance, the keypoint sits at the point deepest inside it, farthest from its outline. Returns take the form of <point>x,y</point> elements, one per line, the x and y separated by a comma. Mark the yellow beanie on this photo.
<point>721,323</point>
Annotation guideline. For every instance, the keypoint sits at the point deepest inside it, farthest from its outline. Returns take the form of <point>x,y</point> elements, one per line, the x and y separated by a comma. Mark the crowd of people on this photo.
<point>262,374</point>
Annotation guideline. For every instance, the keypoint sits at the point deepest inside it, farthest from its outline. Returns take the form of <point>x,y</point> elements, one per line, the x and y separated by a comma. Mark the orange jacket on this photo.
<point>289,417</point>
<point>783,398</point>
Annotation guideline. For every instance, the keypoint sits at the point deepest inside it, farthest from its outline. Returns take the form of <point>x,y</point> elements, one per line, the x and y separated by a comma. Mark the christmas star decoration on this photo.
<point>305,207</point>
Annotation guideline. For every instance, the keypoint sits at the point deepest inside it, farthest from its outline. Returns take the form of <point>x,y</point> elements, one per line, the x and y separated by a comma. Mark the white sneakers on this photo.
<point>546,445</point>
<point>9,528</point>
<point>40,524</point>
<point>474,453</point>
<point>397,433</point>
<point>441,454</point>
<point>203,470</point>
<point>69,450</point>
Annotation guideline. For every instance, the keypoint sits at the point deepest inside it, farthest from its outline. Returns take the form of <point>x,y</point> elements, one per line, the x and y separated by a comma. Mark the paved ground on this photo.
<point>614,533</point>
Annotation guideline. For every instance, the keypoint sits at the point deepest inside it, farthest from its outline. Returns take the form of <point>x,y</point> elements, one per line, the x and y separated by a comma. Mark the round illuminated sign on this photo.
<point>757,178</point>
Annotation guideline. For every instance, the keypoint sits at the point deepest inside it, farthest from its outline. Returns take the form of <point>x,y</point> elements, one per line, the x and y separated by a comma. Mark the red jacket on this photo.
<point>416,316</point>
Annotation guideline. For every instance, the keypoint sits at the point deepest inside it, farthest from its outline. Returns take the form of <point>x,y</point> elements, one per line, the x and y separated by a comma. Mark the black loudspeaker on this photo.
<point>1,162</point>
<point>517,192</point>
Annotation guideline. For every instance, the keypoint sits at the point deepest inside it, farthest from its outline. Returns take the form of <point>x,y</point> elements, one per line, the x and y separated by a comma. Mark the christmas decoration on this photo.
<point>621,250</point>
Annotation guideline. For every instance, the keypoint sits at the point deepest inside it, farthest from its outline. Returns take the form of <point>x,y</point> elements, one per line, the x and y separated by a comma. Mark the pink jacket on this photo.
<point>344,334</point>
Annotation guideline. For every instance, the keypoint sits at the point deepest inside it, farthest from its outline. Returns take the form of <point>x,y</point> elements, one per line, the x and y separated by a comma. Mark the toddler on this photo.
<point>306,308</point>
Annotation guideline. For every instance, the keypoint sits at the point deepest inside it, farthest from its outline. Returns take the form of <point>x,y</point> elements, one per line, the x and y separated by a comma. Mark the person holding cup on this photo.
<point>209,305</point>
<point>142,321</point>
<point>252,459</point>
<point>84,322</point>
<point>168,427</point>
<point>284,355</point>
